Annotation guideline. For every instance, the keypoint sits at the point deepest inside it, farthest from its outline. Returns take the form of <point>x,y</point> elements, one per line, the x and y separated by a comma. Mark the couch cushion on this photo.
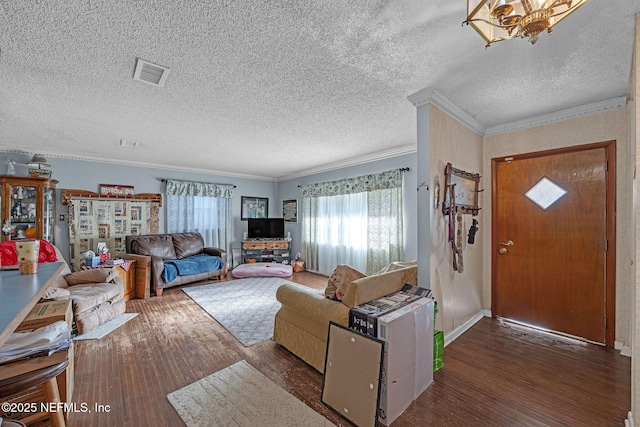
<point>160,246</point>
<point>88,297</point>
<point>339,281</point>
<point>95,275</point>
<point>97,316</point>
<point>314,310</point>
<point>372,287</point>
<point>53,293</point>
<point>187,244</point>
<point>398,266</point>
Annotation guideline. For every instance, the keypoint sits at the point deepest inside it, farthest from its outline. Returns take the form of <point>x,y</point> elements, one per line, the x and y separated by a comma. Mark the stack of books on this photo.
<point>112,262</point>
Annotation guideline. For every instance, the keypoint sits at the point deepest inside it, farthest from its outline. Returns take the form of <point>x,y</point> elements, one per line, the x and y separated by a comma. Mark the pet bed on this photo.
<point>262,269</point>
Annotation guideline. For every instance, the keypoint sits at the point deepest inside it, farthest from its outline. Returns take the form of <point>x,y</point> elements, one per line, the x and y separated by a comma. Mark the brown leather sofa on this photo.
<point>150,251</point>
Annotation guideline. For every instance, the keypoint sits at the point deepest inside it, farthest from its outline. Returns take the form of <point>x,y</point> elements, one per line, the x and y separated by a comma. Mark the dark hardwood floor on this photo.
<point>495,374</point>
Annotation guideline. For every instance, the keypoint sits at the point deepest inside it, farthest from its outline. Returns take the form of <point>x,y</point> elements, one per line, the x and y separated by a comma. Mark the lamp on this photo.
<point>497,20</point>
<point>39,161</point>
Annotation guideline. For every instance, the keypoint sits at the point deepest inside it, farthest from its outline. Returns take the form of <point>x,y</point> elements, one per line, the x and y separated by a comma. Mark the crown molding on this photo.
<point>431,96</point>
<point>141,164</point>
<point>367,158</point>
<point>559,116</point>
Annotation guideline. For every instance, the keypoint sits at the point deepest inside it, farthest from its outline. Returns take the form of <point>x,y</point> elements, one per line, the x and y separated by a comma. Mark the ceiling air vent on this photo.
<point>128,143</point>
<point>152,74</point>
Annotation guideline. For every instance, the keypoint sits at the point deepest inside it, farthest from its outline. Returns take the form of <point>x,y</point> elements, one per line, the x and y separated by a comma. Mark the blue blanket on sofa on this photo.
<point>194,264</point>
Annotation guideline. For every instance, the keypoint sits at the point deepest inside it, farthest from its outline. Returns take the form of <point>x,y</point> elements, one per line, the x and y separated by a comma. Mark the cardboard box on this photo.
<point>364,318</point>
<point>407,368</point>
<point>46,313</point>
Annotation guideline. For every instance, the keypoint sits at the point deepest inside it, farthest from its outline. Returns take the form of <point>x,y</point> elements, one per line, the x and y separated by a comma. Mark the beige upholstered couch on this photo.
<point>301,325</point>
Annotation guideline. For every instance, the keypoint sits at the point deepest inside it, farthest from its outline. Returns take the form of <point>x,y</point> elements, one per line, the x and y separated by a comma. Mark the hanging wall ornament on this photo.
<point>459,234</point>
<point>472,232</point>
<point>436,193</point>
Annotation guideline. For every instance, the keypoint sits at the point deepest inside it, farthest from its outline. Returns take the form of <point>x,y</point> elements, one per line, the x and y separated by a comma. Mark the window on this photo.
<point>356,221</point>
<point>203,208</point>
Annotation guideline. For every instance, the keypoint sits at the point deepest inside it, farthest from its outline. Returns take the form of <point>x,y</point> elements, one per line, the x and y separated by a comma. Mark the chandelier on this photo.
<point>497,20</point>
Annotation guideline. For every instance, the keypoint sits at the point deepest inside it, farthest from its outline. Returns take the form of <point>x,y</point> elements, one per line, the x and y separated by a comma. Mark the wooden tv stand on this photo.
<point>268,250</point>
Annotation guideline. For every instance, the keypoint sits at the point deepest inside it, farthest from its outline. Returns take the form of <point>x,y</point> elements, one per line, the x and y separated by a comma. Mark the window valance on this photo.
<point>202,189</point>
<point>378,181</point>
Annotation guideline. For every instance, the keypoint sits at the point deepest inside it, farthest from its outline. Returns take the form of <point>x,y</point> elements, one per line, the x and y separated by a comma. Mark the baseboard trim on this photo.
<point>629,421</point>
<point>625,351</point>
<point>453,335</point>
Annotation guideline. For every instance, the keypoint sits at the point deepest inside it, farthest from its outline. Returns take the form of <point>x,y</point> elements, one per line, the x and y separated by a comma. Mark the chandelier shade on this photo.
<point>497,20</point>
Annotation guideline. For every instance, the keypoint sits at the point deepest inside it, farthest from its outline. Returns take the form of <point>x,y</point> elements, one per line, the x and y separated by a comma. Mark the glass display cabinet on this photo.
<point>27,206</point>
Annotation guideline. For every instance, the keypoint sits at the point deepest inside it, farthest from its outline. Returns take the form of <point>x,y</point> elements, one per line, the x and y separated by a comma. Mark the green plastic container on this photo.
<point>438,349</point>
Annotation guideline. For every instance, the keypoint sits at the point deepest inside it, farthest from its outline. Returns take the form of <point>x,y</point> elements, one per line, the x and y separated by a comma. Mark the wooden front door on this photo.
<point>550,257</point>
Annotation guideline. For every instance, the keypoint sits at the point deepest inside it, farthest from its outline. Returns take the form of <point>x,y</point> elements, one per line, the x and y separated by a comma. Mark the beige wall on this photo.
<point>594,128</point>
<point>459,295</point>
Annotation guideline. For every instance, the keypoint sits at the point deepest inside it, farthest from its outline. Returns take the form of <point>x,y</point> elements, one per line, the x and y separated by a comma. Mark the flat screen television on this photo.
<point>265,228</point>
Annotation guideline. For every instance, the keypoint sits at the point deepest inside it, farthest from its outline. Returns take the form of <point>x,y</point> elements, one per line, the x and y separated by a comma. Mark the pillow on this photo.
<point>397,266</point>
<point>94,275</point>
<point>187,244</point>
<point>160,246</point>
<point>339,281</point>
<point>56,293</point>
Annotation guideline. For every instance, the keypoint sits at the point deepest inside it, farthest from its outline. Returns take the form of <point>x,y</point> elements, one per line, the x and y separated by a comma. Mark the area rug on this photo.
<point>110,326</point>
<point>241,396</point>
<point>245,307</point>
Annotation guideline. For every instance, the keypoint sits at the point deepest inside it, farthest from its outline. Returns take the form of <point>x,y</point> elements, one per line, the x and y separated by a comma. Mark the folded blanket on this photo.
<point>194,264</point>
<point>9,255</point>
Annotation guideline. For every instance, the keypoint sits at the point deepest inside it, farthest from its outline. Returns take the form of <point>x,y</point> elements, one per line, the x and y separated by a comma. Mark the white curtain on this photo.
<point>356,221</point>
<point>203,208</point>
<point>385,236</point>
<point>335,232</point>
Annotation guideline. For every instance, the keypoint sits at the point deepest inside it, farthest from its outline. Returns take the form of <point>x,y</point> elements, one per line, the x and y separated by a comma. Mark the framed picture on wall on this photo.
<point>464,188</point>
<point>290,210</point>
<point>253,207</point>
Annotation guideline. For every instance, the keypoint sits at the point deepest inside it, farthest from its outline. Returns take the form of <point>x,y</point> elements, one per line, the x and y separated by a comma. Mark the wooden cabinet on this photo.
<point>128,277</point>
<point>266,251</point>
<point>27,208</point>
<point>133,287</point>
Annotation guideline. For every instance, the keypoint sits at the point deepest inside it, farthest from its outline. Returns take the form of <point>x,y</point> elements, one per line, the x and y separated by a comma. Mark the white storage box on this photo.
<point>408,357</point>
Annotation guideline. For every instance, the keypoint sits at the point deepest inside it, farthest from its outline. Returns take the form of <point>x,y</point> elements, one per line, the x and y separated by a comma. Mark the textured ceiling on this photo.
<point>280,88</point>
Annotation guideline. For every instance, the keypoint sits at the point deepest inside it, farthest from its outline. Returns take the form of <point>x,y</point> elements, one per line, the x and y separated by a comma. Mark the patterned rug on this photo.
<point>245,307</point>
<point>240,395</point>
